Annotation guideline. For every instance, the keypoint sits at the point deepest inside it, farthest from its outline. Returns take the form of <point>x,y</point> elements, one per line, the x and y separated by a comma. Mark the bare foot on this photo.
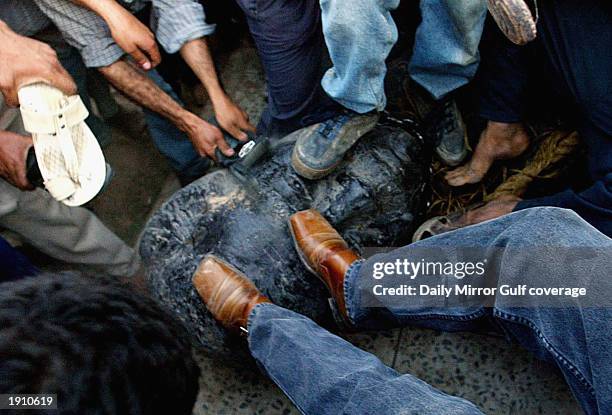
<point>497,142</point>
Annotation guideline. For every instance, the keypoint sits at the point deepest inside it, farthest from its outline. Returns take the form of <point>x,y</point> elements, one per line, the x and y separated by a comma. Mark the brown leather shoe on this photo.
<point>323,252</point>
<point>514,19</point>
<point>228,294</point>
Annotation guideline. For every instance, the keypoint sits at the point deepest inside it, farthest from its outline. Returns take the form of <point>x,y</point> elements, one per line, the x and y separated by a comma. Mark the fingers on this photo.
<point>141,59</point>
<point>153,51</point>
<point>224,147</point>
<point>236,132</point>
<point>62,80</point>
<point>10,97</point>
<point>246,125</point>
<point>239,126</point>
<point>20,180</point>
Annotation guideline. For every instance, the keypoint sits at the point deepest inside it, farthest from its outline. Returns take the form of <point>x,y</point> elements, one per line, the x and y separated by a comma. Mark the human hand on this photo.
<point>206,138</point>
<point>13,155</point>
<point>25,61</point>
<point>133,37</point>
<point>232,118</point>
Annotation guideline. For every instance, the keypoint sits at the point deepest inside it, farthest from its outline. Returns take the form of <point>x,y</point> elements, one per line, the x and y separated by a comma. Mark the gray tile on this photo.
<point>229,390</point>
<point>498,377</point>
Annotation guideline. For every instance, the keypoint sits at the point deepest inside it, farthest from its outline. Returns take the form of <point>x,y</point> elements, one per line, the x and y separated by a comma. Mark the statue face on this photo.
<point>372,199</point>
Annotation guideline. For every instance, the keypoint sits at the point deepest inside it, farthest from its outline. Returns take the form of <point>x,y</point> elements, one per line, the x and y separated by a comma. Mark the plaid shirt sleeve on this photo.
<point>84,30</point>
<point>23,16</point>
<point>179,21</point>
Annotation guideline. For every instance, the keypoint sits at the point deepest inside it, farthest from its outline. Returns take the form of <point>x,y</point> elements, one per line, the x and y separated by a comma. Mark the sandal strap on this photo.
<point>55,122</point>
<point>60,188</point>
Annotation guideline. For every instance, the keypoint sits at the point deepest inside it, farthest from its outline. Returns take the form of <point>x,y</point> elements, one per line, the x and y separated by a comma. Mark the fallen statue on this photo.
<point>372,199</point>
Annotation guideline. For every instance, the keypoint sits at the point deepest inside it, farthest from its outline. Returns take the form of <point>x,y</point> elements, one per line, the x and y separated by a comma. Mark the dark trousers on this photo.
<point>290,43</point>
<point>13,264</point>
<point>574,46</point>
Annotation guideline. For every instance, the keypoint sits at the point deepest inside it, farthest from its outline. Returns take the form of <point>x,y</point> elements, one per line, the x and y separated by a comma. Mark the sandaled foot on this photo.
<point>323,252</point>
<point>499,141</point>
<point>473,215</point>
<point>492,210</point>
<point>514,19</point>
<point>227,293</point>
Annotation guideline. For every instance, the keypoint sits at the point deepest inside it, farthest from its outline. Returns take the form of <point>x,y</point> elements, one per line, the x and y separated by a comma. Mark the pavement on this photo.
<point>498,377</point>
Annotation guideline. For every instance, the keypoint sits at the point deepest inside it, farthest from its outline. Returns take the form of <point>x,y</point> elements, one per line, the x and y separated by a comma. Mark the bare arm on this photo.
<point>230,117</point>
<point>137,86</point>
<point>130,34</point>
<point>26,61</point>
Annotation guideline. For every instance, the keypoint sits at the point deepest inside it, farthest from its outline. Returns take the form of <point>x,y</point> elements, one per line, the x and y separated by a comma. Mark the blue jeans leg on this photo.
<point>359,38</point>
<point>324,374</point>
<point>445,55</point>
<point>172,142</point>
<point>534,247</point>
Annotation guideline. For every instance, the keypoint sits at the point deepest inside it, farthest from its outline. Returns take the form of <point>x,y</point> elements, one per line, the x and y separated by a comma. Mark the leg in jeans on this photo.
<point>290,44</point>
<point>324,374</point>
<point>359,38</point>
<point>534,247</point>
<point>582,73</point>
<point>445,55</point>
<point>172,142</point>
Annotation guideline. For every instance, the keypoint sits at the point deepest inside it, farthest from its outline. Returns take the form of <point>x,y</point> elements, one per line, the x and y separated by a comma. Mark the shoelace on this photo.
<point>330,128</point>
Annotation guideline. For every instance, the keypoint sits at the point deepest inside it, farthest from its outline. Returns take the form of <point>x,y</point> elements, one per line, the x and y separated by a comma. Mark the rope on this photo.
<point>544,164</point>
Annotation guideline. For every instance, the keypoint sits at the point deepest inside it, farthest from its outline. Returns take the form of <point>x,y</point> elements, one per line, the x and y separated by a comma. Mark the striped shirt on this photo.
<point>175,22</point>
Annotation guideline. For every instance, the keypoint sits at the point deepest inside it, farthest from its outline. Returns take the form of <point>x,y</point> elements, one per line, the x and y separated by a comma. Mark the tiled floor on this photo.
<point>499,378</point>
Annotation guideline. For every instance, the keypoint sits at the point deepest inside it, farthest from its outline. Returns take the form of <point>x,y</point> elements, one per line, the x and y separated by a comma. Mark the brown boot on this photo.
<point>323,252</point>
<point>228,294</point>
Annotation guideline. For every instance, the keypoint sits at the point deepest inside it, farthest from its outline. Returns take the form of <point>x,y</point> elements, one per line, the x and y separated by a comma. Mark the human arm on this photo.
<point>137,86</point>
<point>25,61</point>
<point>181,27</point>
<point>130,34</point>
<point>230,116</point>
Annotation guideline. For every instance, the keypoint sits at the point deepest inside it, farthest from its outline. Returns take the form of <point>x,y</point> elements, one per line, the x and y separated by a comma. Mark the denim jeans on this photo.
<point>172,142</point>
<point>323,374</point>
<point>360,37</point>
<point>445,55</point>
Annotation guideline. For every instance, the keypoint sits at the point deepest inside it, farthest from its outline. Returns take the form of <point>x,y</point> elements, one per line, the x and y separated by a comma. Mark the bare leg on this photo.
<point>497,142</point>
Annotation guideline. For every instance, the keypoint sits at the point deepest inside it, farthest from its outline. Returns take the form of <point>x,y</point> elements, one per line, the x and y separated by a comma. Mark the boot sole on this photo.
<point>308,172</point>
<point>514,19</point>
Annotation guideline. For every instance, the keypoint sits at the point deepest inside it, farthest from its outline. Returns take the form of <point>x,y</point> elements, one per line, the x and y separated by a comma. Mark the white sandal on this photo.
<point>69,157</point>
